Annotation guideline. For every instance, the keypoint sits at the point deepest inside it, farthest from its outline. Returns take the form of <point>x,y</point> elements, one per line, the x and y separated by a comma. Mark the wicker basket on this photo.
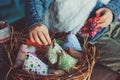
<point>81,72</point>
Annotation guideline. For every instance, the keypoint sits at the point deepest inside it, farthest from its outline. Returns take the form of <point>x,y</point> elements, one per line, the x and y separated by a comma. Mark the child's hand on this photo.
<point>105,18</point>
<point>40,34</point>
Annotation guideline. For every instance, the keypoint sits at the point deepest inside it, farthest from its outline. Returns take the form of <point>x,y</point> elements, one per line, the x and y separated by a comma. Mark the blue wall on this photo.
<point>11,10</point>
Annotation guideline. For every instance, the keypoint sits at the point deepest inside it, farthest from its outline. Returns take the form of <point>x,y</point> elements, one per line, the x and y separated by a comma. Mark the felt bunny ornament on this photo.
<point>27,59</point>
<point>72,42</point>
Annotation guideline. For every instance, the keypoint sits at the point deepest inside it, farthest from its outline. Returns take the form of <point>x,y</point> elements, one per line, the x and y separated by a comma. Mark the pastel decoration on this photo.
<point>24,50</point>
<point>34,65</point>
<point>57,54</point>
<point>52,53</point>
<point>66,62</point>
<point>72,42</point>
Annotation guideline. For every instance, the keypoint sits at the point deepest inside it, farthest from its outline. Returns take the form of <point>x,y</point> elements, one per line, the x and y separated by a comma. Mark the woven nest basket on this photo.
<point>9,51</point>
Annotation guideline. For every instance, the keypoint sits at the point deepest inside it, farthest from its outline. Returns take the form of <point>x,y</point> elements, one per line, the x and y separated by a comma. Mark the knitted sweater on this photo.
<point>49,12</point>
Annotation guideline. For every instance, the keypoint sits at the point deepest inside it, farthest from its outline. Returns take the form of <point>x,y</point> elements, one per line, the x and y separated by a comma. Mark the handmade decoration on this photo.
<point>35,65</point>
<point>24,50</point>
<point>66,62</point>
<point>27,58</point>
<point>53,51</point>
<point>5,31</point>
<point>89,29</point>
<point>72,42</point>
<point>57,54</point>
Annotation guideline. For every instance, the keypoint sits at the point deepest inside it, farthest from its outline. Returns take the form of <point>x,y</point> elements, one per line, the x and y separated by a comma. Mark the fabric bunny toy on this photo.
<point>35,65</point>
<point>72,42</point>
<point>66,62</point>
<point>53,51</point>
<point>56,54</point>
<point>27,58</point>
<point>24,50</point>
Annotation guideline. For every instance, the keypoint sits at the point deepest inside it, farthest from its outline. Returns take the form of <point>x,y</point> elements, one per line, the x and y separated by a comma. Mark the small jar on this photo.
<point>4,32</point>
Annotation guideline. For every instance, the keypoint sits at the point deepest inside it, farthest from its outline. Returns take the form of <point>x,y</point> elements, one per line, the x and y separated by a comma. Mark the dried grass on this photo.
<point>9,50</point>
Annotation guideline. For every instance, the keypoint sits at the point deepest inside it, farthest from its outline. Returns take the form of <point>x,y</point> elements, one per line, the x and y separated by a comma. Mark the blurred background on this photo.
<point>11,10</point>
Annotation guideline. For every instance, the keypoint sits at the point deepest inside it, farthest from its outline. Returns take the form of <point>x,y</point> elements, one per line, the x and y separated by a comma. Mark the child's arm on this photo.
<point>35,10</point>
<point>114,6</point>
<point>109,13</point>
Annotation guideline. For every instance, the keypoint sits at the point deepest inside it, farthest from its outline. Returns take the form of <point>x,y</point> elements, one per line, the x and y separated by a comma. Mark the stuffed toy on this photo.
<point>35,65</point>
<point>27,59</point>
<point>56,54</point>
<point>24,50</point>
<point>52,53</point>
<point>66,62</point>
<point>72,42</point>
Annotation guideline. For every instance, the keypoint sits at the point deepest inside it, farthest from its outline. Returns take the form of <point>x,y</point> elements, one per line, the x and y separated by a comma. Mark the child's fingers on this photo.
<point>48,38</point>
<point>99,11</point>
<point>31,37</point>
<point>36,38</point>
<point>104,17</point>
<point>103,24</point>
<point>42,38</point>
<point>45,34</point>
